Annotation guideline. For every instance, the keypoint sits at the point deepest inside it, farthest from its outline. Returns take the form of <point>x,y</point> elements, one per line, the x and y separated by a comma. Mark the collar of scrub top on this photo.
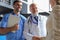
<point>15,14</point>
<point>32,16</point>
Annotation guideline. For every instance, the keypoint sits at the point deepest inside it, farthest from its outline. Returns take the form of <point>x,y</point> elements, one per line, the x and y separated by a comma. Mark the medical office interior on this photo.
<point>44,9</point>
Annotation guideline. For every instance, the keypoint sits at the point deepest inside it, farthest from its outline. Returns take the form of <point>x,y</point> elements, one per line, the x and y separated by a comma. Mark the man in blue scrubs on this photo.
<point>18,35</point>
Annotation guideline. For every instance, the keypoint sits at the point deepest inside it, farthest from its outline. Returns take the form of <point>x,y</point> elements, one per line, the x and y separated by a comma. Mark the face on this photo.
<point>17,6</point>
<point>52,2</point>
<point>33,8</point>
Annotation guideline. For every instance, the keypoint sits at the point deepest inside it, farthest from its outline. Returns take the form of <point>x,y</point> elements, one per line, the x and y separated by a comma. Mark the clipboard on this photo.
<point>12,20</point>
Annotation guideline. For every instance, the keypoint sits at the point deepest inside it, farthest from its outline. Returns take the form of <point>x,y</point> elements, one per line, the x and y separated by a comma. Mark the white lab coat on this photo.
<point>32,29</point>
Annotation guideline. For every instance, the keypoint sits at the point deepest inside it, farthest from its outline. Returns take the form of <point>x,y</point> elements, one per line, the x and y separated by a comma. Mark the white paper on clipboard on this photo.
<point>12,20</point>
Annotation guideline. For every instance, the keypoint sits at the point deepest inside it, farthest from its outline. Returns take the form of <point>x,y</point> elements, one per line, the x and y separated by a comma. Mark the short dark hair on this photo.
<point>16,1</point>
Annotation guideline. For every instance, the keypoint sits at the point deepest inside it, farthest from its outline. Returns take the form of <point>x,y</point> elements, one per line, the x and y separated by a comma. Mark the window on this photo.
<point>43,5</point>
<point>6,1</point>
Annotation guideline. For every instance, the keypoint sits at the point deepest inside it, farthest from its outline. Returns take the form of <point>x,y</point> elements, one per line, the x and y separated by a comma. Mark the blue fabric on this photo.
<point>4,21</point>
<point>18,35</point>
<point>2,37</point>
<point>36,18</point>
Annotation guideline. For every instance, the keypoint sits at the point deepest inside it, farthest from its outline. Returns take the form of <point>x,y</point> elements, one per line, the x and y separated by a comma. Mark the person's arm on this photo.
<point>3,25</point>
<point>49,25</point>
<point>43,26</point>
<point>6,30</point>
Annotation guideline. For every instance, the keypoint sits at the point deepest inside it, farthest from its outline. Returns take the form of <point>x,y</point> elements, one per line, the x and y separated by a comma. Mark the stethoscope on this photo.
<point>35,22</point>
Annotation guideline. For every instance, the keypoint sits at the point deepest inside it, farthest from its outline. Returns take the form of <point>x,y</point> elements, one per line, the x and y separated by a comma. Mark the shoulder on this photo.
<point>42,17</point>
<point>29,17</point>
<point>50,18</point>
<point>7,14</point>
<point>23,17</point>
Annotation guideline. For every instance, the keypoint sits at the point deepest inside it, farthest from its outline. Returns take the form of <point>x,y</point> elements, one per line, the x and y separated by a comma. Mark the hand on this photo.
<point>15,27</point>
<point>36,38</point>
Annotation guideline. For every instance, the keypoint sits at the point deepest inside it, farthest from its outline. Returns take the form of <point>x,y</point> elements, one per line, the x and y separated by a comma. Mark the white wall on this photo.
<point>43,5</point>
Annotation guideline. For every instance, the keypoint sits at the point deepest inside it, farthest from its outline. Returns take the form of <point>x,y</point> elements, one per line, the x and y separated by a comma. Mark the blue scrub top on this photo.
<point>18,35</point>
